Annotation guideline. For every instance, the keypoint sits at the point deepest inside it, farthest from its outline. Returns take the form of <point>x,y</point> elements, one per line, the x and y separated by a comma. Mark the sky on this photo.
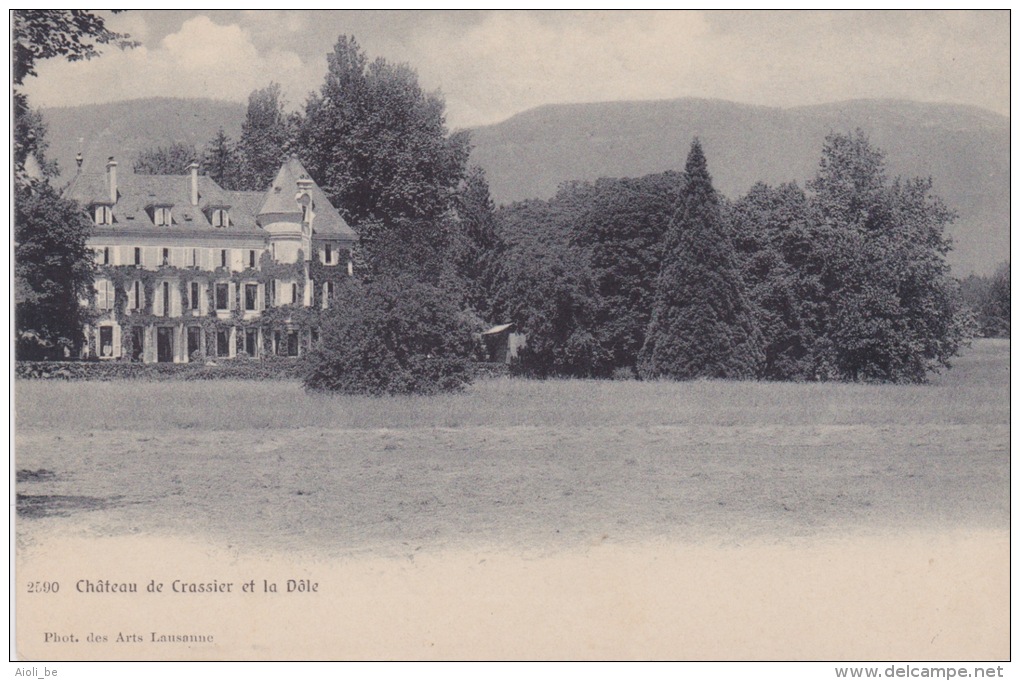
<point>490,65</point>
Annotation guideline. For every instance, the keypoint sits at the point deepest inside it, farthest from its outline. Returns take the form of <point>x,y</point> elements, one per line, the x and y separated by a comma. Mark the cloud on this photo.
<point>511,61</point>
<point>202,59</point>
<point>491,65</point>
<point>505,62</point>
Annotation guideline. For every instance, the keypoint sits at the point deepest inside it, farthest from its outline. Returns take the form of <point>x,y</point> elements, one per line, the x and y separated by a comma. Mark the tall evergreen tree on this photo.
<point>220,161</point>
<point>701,325</point>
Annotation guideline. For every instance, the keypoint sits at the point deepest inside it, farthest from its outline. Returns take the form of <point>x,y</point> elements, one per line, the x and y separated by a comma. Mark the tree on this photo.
<point>477,246</point>
<point>170,160</point>
<point>53,272</point>
<point>988,299</point>
<point>53,269</point>
<point>43,34</point>
<point>995,311</point>
<point>701,323</point>
<point>619,225</point>
<point>545,287</point>
<point>391,336</point>
<point>378,146</point>
<point>893,312</point>
<point>71,33</point>
<point>776,245</point>
<point>220,161</point>
<point>266,135</point>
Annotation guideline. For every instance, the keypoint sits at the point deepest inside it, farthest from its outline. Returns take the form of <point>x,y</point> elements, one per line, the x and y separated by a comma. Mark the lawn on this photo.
<point>515,462</point>
<point>524,520</point>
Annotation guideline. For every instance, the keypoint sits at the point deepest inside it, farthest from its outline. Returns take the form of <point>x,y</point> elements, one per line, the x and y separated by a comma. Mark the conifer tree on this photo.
<point>701,323</point>
<point>220,161</point>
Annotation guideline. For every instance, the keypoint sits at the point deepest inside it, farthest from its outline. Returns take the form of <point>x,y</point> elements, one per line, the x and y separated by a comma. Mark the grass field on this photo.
<point>526,520</point>
<point>518,461</point>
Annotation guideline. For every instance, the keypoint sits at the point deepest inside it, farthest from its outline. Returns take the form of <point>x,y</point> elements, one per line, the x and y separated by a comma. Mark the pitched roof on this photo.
<point>136,194</point>
<point>281,199</point>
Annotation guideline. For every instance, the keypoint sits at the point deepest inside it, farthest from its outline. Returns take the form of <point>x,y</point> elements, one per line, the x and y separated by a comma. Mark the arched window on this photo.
<point>220,218</point>
<point>162,217</point>
<point>104,215</point>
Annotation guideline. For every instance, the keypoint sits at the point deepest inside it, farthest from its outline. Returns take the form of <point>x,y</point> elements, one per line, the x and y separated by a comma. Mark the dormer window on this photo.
<point>220,218</point>
<point>104,215</point>
<point>161,216</point>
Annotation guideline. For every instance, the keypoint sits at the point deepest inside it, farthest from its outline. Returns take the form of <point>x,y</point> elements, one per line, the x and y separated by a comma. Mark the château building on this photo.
<point>188,270</point>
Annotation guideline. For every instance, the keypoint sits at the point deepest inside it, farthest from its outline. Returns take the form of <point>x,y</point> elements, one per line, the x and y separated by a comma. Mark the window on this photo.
<point>222,294</point>
<point>329,254</point>
<point>293,294</point>
<point>251,259</point>
<point>138,255</point>
<point>194,257</point>
<point>220,218</point>
<point>194,340</point>
<point>106,341</point>
<point>106,255</point>
<point>104,215</point>
<point>166,256</point>
<point>162,217</point>
<point>292,343</point>
<point>136,297</point>
<point>223,257</point>
<point>166,299</point>
<point>194,295</point>
<point>251,342</point>
<point>327,293</point>
<point>104,294</point>
<point>222,343</point>
<point>137,343</point>
<point>251,293</point>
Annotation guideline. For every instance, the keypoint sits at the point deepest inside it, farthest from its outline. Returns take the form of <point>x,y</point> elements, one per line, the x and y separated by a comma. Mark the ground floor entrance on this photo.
<point>164,344</point>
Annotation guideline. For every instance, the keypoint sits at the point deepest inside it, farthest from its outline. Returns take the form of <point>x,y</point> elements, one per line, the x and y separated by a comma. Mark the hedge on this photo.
<point>272,369</point>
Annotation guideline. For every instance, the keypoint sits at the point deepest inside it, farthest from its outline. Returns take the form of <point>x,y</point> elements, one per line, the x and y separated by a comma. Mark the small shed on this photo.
<point>502,343</point>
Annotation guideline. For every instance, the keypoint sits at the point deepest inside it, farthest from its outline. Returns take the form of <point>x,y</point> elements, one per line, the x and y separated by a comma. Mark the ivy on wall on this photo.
<point>274,317</point>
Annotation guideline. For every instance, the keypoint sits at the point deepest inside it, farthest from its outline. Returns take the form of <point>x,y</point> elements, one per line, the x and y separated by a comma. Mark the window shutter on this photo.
<point>116,341</point>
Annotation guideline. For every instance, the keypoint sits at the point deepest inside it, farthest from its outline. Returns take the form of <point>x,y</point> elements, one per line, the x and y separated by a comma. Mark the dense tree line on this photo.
<point>657,277</point>
<point>843,280</point>
<point>988,299</point>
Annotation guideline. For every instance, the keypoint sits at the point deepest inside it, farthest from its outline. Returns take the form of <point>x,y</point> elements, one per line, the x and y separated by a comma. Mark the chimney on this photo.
<point>193,169</point>
<point>111,176</point>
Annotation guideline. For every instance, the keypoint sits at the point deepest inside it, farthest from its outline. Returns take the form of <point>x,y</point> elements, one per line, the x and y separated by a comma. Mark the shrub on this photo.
<point>392,336</point>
